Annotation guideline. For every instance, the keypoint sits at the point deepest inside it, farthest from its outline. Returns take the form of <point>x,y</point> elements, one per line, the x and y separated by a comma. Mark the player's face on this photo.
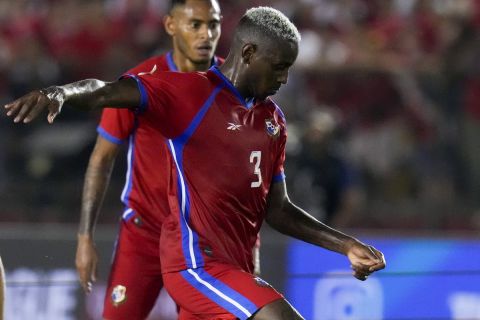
<point>269,67</point>
<point>195,28</point>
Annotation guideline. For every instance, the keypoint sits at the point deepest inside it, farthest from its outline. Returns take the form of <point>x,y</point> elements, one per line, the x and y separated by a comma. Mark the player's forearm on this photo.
<point>2,290</point>
<point>295,222</point>
<point>94,94</point>
<point>97,179</point>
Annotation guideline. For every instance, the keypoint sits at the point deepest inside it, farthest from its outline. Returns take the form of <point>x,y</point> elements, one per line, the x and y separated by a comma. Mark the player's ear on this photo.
<point>248,50</point>
<point>169,23</point>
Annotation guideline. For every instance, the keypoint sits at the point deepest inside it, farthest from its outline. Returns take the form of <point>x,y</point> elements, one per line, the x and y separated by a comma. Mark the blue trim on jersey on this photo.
<point>220,293</point>
<point>107,136</point>
<point>127,189</point>
<point>171,64</point>
<point>280,112</point>
<point>247,103</point>
<point>127,214</point>
<point>199,116</point>
<point>279,177</point>
<point>143,93</point>
<point>191,249</point>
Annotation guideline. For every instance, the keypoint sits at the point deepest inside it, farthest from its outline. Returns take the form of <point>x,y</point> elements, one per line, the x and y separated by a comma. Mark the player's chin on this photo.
<point>203,59</point>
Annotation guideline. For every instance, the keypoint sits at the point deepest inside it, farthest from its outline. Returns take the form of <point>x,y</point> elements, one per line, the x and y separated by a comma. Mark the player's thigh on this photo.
<point>135,278</point>
<point>218,291</point>
<point>277,310</point>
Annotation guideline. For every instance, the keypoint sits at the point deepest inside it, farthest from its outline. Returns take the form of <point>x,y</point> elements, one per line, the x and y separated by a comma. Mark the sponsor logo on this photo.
<point>119,295</point>
<point>273,129</point>
<point>233,126</point>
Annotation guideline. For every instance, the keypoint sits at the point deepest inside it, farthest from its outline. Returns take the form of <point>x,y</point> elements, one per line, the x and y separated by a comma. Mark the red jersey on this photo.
<point>145,191</point>
<point>225,153</point>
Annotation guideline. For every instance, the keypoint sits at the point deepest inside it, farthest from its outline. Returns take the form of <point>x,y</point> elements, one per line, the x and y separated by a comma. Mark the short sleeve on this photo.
<point>116,125</point>
<point>170,100</point>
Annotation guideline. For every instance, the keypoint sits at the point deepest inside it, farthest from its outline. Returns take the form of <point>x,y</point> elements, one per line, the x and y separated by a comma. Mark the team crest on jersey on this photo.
<point>119,295</point>
<point>260,282</point>
<point>273,129</point>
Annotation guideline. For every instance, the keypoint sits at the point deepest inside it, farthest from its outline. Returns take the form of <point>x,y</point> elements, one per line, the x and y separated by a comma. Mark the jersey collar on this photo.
<point>173,67</point>
<point>171,64</point>
<point>248,103</point>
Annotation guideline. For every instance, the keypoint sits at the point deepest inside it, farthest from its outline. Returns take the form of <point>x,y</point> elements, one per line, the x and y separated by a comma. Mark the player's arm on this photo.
<point>291,220</point>
<point>84,95</point>
<point>97,179</point>
<point>2,290</point>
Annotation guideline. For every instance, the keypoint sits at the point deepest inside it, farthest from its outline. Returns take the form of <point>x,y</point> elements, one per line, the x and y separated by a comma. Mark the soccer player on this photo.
<point>135,277</point>
<point>227,149</point>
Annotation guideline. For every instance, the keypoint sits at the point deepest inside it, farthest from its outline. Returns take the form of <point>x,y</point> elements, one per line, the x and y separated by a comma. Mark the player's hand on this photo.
<point>86,262</point>
<point>31,105</point>
<point>364,260</point>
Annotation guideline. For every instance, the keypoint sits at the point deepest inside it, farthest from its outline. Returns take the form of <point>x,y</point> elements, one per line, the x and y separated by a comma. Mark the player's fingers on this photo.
<point>51,116</point>
<point>360,275</point>
<point>35,110</point>
<point>84,278</point>
<point>381,263</point>
<point>24,108</point>
<point>12,108</point>
<point>94,272</point>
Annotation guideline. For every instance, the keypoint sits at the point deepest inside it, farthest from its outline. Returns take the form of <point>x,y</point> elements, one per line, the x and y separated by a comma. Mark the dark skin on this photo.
<point>256,69</point>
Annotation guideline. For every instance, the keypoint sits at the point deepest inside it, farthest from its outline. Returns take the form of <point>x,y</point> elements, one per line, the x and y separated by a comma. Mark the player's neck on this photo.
<point>186,65</point>
<point>231,70</point>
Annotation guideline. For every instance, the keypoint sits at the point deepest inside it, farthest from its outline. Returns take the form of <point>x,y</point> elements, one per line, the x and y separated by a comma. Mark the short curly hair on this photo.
<point>268,22</point>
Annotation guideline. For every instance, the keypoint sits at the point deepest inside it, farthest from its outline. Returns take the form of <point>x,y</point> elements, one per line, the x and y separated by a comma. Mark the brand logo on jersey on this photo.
<point>260,282</point>
<point>119,295</point>
<point>273,129</point>
<point>233,126</point>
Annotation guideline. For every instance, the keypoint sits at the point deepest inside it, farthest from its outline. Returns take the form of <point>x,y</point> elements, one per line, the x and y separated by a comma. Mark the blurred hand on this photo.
<point>364,260</point>
<point>86,262</point>
<point>32,104</point>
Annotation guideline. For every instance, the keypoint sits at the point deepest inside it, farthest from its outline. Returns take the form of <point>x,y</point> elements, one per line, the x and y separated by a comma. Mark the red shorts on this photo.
<point>218,291</point>
<point>135,277</point>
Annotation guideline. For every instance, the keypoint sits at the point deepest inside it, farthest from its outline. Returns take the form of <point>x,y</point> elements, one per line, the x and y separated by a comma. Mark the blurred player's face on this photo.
<point>267,68</point>
<point>195,29</point>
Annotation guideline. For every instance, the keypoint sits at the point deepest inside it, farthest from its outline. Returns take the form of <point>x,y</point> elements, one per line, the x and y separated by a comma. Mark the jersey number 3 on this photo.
<point>255,158</point>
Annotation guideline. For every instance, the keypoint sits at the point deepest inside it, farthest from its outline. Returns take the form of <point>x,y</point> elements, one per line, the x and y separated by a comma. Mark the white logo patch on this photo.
<point>233,126</point>
<point>119,295</point>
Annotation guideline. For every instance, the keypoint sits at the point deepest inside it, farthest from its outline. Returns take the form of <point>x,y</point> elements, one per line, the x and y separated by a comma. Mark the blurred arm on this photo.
<point>2,289</point>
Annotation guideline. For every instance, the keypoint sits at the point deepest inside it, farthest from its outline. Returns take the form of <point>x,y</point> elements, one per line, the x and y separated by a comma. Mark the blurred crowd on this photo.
<point>383,105</point>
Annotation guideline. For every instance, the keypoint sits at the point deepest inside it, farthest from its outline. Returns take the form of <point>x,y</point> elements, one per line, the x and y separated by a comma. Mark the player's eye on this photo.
<point>195,25</point>
<point>213,25</point>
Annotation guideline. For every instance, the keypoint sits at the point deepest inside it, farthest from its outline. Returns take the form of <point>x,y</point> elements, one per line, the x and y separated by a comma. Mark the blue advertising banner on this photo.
<point>424,279</point>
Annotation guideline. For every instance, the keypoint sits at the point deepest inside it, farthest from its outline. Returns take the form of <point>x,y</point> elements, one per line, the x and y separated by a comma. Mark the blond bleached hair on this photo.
<point>273,22</point>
